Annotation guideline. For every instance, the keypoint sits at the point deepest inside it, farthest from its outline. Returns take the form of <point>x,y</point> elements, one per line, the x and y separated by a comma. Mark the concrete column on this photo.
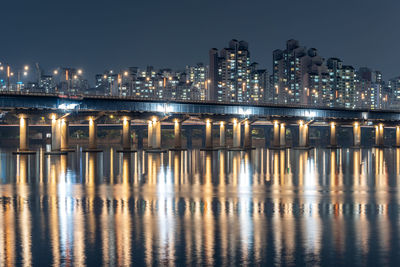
<point>277,138</point>
<point>23,134</point>
<point>266,136</point>
<point>59,134</point>
<point>139,133</point>
<point>303,134</point>
<point>64,134</point>
<point>236,133</point>
<point>222,134</point>
<point>55,134</point>
<point>356,134</point>
<point>282,135</point>
<point>379,134</point>
<point>177,134</point>
<point>92,134</point>
<point>398,136</point>
<point>247,135</point>
<point>203,137</point>
<point>333,140</point>
<point>209,136</point>
<point>189,137</point>
<point>126,134</point>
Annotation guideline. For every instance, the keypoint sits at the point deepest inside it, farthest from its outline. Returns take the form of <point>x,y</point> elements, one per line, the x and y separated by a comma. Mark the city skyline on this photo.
<point>299,75</point>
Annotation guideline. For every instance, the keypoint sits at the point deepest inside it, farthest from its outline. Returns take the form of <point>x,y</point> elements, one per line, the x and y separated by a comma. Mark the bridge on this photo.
<point>60,110</point>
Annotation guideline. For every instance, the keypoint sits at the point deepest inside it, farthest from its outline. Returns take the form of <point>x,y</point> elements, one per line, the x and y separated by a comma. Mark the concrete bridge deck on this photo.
<point>86,104</point>
<point>61,110</point>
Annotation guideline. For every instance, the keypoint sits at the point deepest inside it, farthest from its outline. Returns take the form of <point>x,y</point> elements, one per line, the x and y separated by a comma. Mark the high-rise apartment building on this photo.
<point>197,77</point>
<point>230,73</point>
<point>259,84</point>
<point>342,80</point>
<point>295,69</point>
<point>369,87</point>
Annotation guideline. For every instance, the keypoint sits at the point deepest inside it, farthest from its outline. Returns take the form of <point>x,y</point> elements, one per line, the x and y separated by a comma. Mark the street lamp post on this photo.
<point>55,73</point>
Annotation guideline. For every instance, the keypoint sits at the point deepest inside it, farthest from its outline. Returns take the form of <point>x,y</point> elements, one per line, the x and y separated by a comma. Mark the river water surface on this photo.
<point>262,207</point>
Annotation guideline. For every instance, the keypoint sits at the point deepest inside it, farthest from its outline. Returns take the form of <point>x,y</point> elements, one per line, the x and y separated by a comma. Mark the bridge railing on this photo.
<point>195,101</point>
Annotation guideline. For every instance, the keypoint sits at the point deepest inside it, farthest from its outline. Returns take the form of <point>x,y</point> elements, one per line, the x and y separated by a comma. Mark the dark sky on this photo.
<point>97,34</point>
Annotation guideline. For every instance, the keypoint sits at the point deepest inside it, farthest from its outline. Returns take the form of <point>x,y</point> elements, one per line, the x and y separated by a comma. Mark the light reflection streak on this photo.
<point>382,198</point>
<point>122,215</point>
<point>310,199</point>
<point>208,218</point>
<point>65,218</point>
<point>24,210</point>
<point>245,206</point>
<point>361,223</point>
<point>165,210</point>
<point>7,230</point>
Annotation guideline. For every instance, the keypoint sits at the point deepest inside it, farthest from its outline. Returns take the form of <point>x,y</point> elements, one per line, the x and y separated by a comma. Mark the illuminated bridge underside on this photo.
<point>51,103</point>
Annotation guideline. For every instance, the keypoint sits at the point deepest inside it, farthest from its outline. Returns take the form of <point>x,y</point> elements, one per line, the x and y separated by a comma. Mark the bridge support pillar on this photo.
<point>266,137</point>
<point>126,134</point>
<point>64,135</point>
<point>154,134</point>
<point>282,134</point>
<point>276,142</point>
<point>247,135</point>
<point>55,133</point>
<point>139,134</point>
<point>379,134</point>
<point>222,134</point>
<point>236,133</point>
<point>303,135</point>
<point>189,137</point>
<point>279,133</point>
<point>397,136</point>
<point>209,136</point>
<point>92,134</point>
<point>23,134</point>
<point>59,134</point>
<point>356,135</point>
<point>177,134</point>
<point>333,138</point>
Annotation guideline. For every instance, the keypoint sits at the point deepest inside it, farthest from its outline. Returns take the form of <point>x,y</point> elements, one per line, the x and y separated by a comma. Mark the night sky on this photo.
<point>96,35</point>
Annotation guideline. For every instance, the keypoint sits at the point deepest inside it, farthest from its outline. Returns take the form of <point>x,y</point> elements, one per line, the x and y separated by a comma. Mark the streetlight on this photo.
<point>8,77</point>
<point>55,73</point>
<point>24,72</point>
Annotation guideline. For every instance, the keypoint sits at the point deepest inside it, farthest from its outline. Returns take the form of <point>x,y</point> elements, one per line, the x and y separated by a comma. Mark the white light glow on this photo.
<point>244,112</point>
<point>165,108</point>
<point>67,106</point>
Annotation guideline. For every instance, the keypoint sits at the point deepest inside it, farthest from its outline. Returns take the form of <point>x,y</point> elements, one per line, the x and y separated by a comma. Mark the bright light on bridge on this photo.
<point>67,106</point>
<point>244,112</point>
<point>165,108</point>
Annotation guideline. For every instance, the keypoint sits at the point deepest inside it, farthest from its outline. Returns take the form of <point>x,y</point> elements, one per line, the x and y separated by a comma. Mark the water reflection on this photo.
<point>196,207</point>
